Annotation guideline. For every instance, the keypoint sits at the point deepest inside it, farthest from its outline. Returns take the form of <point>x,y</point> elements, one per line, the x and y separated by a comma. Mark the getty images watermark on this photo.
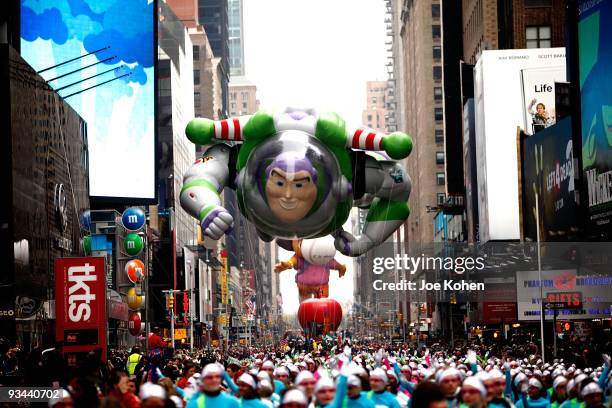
<point>414,264</point>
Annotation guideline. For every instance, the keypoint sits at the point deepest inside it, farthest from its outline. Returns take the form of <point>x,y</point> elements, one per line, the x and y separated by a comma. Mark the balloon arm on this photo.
<point>202,185</point>
<point>390,184</point>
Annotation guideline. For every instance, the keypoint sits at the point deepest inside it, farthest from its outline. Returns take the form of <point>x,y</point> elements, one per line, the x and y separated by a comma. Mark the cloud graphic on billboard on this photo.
<point>137,74</point>
<point>127,49</point>
<point>47,25</point>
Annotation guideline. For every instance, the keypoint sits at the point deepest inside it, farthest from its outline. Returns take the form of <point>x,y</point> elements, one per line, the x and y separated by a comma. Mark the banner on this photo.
<point>548,170</point>
<point>595,59</point>
<point>224,281</point>
<point>80,305</point>
<point>539,96</point>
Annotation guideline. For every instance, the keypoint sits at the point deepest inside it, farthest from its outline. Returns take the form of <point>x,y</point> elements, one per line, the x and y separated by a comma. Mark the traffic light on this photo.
<point>453,299</point>
<point>170,302</point>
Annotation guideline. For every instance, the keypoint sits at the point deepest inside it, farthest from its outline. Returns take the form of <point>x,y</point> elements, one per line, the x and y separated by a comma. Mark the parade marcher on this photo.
<point>247,389</point>
<point>378,393</point>
<point>210,394</point>
<point>266,391</point>
<point>294,398</point>
<point>536,396</point>
<point>153,396</point>
<point>592,395</point>
<point>428,395</point>
<point>450,379</point>
<point>498,386</point>
<point>394,388</point>
<point>306,382</point>
<point>558,394</point>
<point>473,394</point>
<point>355,398</point>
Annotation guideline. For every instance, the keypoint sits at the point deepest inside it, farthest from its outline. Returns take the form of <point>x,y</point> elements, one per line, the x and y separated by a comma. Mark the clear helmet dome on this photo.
<point>291,186</point>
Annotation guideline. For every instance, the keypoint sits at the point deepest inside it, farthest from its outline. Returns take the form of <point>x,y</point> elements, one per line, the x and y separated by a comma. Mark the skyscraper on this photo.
<point>236,44</point>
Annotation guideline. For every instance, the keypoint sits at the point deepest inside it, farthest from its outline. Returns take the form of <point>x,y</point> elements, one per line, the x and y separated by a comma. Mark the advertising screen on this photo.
<point>548,170</point>
<point>594,289</point>
<point>499,111</point>
<point>594,33</point>
<point>539,97</point>
<point>112,86</point>
<point>80,304</point>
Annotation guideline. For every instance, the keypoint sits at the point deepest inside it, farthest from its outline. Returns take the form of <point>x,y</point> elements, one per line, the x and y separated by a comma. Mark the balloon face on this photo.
<point>318,251</point>
<point>134,300</point>
<point>135,270</point>
<point>326,312</point>
<point>133,244</point>
<point>291,186</point>
<point>134,324</point>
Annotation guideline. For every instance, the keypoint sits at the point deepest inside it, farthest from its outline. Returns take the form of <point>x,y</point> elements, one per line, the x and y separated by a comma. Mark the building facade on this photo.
<point>374,114</point>
<point>423,111</point>
<point>243,97</point>
<point>45,188</point>
<point>236,41</point>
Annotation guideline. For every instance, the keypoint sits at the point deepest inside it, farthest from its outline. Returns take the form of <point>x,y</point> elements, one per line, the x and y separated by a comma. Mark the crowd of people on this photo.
<point>346,374</point>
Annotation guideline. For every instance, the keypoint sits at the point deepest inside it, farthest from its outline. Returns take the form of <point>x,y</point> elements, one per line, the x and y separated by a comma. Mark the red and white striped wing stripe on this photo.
<point>230,129</point>
<point>366,139</point>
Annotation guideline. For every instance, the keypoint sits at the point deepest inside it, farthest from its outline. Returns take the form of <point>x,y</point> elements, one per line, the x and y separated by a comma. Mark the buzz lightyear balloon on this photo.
<point>297,175</point>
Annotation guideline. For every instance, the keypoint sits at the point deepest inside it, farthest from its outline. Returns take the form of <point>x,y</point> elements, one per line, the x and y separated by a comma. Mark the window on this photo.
<point>440,179</point>
<point>196,100</point>
<point>437,73</point>
<point>196,77</point>
<point>441,198</point>
<point>435,31</point>
<point>233,96</point>
<point>369,118</point>
<point>196,52</point>
<point>435,11</point>
<point>373,99</point>
<point>438,93</point>
<point>538,37</point>
<point>439,157</point>
<point>437,52</point>
<point>244,105</point>
<point>439,135</point>
<point>438,114</point>
<point>538,3</point>
<point>233,104</point>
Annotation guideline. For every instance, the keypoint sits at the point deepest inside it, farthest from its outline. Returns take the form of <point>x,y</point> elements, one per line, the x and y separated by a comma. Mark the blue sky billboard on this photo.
<point>120,38</point>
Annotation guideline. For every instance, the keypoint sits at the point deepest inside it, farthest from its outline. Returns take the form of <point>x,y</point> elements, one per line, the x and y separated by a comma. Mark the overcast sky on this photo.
<point>319,54</point>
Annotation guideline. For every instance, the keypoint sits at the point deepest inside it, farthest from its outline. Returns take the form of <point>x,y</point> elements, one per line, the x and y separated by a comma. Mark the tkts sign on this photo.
<point>80,305</point>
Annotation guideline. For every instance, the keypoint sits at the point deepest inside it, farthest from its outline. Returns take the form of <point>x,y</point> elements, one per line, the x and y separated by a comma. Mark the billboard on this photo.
<point>539,96</point>
<point>499,111</point>
<point>548,169</point>
<point>595,62</point>
<point>80,306</point>
<point>595,291</point>
<point>112,86</point>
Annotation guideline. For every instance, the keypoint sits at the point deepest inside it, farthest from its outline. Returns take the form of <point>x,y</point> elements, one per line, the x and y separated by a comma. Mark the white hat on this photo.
<point>380,373</point>
<point>353,381</point>
<point>247,379</point>
<point>534,382</point>
<point>294,395</point>
<point>303,375</point>
<point>178,402</point>
<point>267,364</point>
<point>211,369</point>
<point>265,384</point>
<point>520,377</point>
<point>324,382</point>
<point>281,370</point>
<point>558,381</point>
<point>263,375</point>
<point>449,372</point>
<point>495,373</point>
<point>391,373</point>
<point>475,383</point>
<point>150,390</point>
<point>590,388</point>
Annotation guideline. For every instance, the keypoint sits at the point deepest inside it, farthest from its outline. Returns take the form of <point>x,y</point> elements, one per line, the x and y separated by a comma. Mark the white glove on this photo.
<point>471,357</point>
<point>392,360</point>
<point>218,222</point>
<point>347,351</point>
<point>606,359</point>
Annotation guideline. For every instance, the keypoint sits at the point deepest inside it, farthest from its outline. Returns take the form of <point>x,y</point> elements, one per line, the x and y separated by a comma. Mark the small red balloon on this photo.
<point>134,324</point>
<point>320,312</point>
